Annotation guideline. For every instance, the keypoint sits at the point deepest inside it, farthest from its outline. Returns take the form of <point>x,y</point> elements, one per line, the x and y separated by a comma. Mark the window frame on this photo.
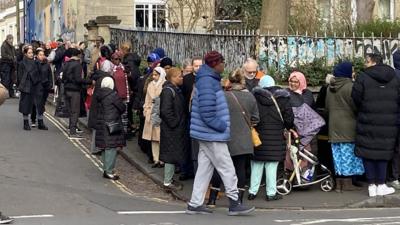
<point>151,7</point>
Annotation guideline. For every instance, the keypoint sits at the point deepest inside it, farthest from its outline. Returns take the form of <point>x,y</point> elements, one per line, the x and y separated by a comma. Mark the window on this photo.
<point>386,9</point>
<point>150,16</point>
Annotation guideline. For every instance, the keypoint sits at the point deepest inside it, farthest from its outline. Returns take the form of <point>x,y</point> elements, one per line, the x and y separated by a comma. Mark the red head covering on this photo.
<point>302,81</point>
<point>213,58</point>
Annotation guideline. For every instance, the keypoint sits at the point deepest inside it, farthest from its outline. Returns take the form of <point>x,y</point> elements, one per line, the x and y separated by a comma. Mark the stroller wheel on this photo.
<point>283,186</point>
<point>327,185</point>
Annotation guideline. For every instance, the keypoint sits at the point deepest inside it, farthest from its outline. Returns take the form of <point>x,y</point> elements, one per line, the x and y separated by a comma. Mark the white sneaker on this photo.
<point>383,189</point>
<point>372,190</point>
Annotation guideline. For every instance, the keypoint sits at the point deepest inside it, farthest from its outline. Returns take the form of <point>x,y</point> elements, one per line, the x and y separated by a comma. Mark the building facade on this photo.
<point>8,20</point>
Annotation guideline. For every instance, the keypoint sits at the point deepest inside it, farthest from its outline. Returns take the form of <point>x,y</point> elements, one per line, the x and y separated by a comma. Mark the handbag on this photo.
<point>114,127</point>
<point>255,137</point>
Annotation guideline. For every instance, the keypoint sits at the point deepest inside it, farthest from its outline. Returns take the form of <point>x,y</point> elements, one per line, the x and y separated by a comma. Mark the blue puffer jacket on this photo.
<point>210,114</point>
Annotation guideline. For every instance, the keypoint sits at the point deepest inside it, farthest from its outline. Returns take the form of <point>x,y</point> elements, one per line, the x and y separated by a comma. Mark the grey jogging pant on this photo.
<point>214,155</point>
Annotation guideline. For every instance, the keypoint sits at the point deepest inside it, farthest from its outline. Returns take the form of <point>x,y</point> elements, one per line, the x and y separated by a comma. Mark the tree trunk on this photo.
<point>274,16</point>
<point>365,10</point>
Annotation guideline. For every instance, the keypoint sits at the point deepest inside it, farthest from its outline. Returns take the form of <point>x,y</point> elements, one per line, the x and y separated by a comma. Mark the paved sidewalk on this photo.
<point>312,198</point>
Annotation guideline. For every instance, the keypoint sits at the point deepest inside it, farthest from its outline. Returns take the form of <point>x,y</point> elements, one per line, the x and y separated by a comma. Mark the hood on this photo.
<point>381,73</point>
<point>396,59</point>
<point>206,71</point>
<point>263,95</point>
<point>338,82</point>
<point>103,92</point>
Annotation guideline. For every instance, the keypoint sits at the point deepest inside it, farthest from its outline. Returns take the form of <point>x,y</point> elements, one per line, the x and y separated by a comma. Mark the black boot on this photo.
<point>241,194</point>
<point>26,125</point>
<point>212,198</point>
<point>41,125</point>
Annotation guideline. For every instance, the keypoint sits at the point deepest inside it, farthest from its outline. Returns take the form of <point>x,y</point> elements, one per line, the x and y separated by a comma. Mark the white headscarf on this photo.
<point>162,73</point>
<point>107,82</point>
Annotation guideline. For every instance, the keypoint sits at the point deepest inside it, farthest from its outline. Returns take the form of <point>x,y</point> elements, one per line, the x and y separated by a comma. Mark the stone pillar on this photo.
<point>101,27</point>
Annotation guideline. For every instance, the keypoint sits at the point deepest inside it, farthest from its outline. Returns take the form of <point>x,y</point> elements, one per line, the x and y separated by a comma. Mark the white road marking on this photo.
<point>374,220</point>
<point>32,216</point>
<point>149,212</point>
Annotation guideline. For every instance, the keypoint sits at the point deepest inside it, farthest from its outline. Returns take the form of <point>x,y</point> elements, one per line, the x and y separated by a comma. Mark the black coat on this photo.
<point>72,76</point>
<point>46,75</point>
<point>139,97</point>
<point>28,81</point>
<point>271,127</point>
<point>110,108</point>
<point>97,76</point>
<point>174,133</point>
<point>131,62</point>
<point>187,88</point>
<point>8,53</point>
<point>376,96</point>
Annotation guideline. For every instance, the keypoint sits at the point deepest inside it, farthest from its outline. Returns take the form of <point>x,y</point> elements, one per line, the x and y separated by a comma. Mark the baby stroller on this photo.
<point>302,168</point>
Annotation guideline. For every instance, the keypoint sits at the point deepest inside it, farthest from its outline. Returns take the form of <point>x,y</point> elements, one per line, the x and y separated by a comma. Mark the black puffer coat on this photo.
<point>271,127</point>
<point>46,75</point>
<point>97,77</point>
<point>110,108</point>
<point>174,133</point>
<point>376,96</point>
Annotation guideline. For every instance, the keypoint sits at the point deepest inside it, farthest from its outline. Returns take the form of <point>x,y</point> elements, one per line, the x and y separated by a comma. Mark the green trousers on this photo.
<point>169,171</point>
<point>108,157</point>
<point>257,168</point>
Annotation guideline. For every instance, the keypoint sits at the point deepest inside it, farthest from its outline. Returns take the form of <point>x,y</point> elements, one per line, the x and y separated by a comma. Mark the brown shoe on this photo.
<point>348,185</point>
<point>339,185</point>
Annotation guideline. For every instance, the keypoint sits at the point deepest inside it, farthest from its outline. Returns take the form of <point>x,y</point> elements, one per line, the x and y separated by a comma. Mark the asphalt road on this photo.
<point>47,179</point>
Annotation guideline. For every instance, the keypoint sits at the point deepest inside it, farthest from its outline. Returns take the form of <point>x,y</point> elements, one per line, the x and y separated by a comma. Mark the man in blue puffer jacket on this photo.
<point>210,126</point>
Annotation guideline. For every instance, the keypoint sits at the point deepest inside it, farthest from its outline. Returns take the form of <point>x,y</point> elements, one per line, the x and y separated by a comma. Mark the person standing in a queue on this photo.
<point>210,125</point>
<point>376,94</point>
<point>73,84</point>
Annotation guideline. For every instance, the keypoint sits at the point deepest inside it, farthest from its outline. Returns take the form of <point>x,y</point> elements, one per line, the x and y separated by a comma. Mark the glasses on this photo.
<point>252,72</point>
<point>116,59</point>
<point>294,81</point>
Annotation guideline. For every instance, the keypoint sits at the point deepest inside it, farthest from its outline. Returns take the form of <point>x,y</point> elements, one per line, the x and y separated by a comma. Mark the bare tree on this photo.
<point>274,16</point>
<point>186,15</point>
<point>365,10</point>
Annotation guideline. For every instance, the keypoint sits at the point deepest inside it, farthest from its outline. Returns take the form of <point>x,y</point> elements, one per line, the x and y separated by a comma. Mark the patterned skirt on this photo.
<point>345,161</point>
<point>125,120</point>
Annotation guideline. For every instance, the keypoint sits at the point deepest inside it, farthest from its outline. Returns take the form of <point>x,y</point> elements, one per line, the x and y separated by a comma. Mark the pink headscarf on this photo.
<point>302,81</point>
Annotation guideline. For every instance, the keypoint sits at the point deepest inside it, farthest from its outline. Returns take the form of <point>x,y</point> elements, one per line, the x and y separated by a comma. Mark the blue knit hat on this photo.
<point>266,81</point>
<point>160,52</point>
<point>153,57</point>
<point>343,69</point>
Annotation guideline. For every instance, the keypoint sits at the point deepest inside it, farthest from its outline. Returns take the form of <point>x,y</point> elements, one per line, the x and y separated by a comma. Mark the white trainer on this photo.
<point>372,190</point>
<point>383,189</point>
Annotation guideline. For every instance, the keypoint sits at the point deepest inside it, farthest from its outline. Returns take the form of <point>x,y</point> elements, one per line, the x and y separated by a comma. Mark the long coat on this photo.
<point>376,95</point>
<point>174,129</point>
<point>150,132</point>
<point>341,110</point>
<point>28,80</point>
<point>271,127</point>
<point>109,109</point>
<point>98,77</point>
<point>241,142</point>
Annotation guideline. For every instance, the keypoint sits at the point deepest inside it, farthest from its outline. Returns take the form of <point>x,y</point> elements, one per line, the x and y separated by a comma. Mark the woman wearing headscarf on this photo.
<point>109,111</point>
<point>151,131</point>
<point>342,129</point>
<point>276,115</point>
<point>299,93</point>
